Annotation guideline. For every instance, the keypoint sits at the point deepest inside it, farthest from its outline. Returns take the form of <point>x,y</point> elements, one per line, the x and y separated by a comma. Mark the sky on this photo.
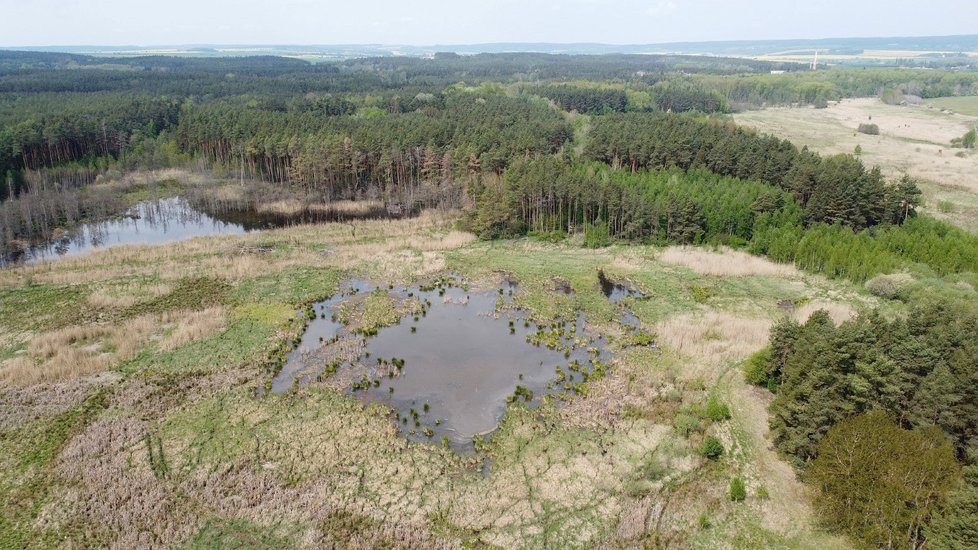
<point>429,22</point>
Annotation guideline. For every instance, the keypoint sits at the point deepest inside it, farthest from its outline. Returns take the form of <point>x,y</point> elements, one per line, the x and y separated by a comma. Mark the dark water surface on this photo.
<point>462,361</point>
<point>150,222</point>
<point>616,292</point>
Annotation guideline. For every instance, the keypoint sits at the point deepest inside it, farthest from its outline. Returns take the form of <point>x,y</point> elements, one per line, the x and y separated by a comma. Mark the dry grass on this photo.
<point>724,262</point>
<point>83,350</point>
<point>22,406</point>
<point>298,461</point>
<point>195,326</point>
<point>712,340</point>
<point>787,508</point>
<point>124,296</point>
<point>345,208</point>
<point>838,311</point>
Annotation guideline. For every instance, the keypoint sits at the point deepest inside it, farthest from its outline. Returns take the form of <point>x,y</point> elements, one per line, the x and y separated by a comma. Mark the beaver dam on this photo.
<point>445,358</point>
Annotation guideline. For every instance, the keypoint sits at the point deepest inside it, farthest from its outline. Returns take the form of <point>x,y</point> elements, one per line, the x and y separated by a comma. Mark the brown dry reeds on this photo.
<point>79,351</point>
<point>713,340</point>
<point>196,326</point>
<point>725,262</point>
<point>840,312</point>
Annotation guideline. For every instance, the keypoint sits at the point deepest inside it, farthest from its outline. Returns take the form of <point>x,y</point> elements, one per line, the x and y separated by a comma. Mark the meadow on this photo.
<point>965,105</point>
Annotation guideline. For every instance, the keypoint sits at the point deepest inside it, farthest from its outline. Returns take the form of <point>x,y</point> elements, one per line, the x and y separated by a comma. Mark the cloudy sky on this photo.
<point>426,22</point>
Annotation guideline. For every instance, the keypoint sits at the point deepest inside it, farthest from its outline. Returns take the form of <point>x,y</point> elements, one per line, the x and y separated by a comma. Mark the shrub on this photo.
<point>701,294</point>
<point>712,448</point>
<point>687,424</point>
<point>704,521</point>
<point>717,410</point>
<point>968,141</point>
<point>888,286</point>
<point>596,236</point>
<point>878,482</point>
<point>756,367</point>
<point>869,129</point>
<point>737,490</point>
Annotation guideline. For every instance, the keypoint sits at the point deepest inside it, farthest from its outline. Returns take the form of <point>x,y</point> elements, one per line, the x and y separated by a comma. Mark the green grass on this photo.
<point>297,287</point>
<point>26,455</point>
<point>42,307</point>
<point>161,189</point>
<point>190,294</point>
<point>965,105</point>
<point>240,534</point>
<point>535,268</point>
<point>244,342</point>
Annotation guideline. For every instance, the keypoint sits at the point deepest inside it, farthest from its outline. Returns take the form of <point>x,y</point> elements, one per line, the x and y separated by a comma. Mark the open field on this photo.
<point>913,140</point>
<point>867,55</point>
<point>158,437</point>
<point>966,105</point>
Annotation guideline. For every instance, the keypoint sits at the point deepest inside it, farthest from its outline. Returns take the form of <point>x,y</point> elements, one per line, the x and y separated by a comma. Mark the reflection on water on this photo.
<point>450,373</point>
<point>616,292</point>
<point>150,222</point>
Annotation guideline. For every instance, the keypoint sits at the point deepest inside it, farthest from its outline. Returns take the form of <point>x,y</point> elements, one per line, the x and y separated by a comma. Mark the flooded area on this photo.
<point>616,292</point>
<point>449,367</point>
<point>161,221</point>
<point>150,222</point>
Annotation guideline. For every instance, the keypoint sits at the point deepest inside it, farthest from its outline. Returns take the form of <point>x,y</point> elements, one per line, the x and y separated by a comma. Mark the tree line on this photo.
<point>837,189</point>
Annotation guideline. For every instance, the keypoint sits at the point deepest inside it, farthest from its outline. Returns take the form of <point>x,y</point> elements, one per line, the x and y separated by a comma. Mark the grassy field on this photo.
<point>913,140</point>
<point>967,105</point>
<point>131,417</point>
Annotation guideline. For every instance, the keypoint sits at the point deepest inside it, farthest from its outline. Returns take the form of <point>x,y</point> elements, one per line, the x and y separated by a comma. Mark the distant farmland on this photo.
<point>965,105</point>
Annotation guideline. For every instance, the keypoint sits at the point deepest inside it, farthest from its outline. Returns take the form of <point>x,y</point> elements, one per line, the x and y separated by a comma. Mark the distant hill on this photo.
<point>961,43</point>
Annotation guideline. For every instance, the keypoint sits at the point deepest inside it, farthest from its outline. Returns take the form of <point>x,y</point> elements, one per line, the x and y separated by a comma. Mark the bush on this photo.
<point>878,482</point>
<point>702,294</point>
<point>712,448</point>
<point>968,141</point>
<point>888,286</point>
<point>717,410</point>
<point>596,236</point>
<point>686,424</point>
<point>756,367</point>
<point>869,129</point>
<point>704,521</point>
<point>737,490</point>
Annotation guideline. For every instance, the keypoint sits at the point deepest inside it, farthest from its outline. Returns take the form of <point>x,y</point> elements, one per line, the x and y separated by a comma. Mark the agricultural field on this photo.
<point>965,105</point>
<point>914,140</point>
<point>133,414</point>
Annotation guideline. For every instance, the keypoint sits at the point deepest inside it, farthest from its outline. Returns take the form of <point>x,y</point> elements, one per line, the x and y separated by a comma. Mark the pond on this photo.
<point>447,371</point>
<point>150,222</point>
<point>161,221</point>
